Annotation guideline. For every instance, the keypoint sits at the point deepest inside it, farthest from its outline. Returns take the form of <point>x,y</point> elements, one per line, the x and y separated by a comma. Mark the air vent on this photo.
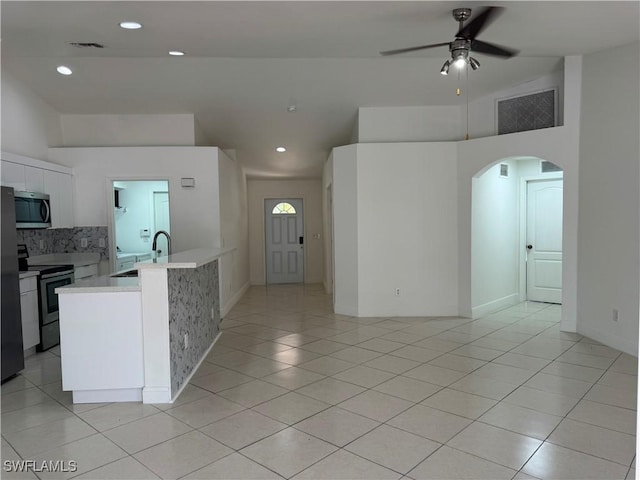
<point>504,170</point>
<point>86,45</point>
<point>546,167</point>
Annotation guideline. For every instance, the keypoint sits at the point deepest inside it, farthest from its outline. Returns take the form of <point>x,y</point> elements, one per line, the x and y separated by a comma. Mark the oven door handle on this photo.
<point>57,274</point>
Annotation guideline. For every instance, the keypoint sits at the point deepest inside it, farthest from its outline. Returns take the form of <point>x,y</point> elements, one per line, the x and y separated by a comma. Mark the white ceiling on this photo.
<point>247,61</point>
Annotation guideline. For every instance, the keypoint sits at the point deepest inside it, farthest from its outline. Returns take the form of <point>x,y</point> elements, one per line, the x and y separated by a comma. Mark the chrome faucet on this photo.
<point>154,246</point>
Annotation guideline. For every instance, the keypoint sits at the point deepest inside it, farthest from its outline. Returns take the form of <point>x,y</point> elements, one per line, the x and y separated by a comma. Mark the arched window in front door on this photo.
<point>283,208</point>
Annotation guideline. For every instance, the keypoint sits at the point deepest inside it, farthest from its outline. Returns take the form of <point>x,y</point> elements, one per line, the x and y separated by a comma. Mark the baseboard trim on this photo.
<point>233,300</point>
<point>495,305</point>
<point>156,395</point>
<point>613,341</point>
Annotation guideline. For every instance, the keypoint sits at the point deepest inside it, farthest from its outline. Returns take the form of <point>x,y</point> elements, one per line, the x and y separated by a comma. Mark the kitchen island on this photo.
<point>140,338</point>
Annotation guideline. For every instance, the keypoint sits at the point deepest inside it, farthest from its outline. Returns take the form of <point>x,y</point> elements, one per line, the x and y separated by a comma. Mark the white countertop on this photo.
<point>132,254</point>
<point>28,274</point>
<point>102,284</point>
<point>106,283</point>
<point>187,259</point>
<point>79,259</point>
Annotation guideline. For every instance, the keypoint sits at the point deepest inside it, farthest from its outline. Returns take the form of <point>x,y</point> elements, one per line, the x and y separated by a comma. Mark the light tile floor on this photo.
<point>291,390</point>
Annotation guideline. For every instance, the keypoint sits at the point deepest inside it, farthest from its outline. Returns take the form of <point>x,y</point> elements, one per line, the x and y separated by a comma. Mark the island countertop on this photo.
<point>109,283</point>
<point>187,259</point>
<point>103,283</point>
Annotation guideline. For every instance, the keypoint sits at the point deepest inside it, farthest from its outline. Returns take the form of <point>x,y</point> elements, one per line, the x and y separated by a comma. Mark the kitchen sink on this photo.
<point>128,273</point>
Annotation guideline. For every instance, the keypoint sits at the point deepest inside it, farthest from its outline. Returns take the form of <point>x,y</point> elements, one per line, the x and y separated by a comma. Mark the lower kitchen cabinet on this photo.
<point>29,312</point>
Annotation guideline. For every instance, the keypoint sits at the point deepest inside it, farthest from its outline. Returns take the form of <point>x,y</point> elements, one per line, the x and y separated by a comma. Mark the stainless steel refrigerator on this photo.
<point>12,354</point>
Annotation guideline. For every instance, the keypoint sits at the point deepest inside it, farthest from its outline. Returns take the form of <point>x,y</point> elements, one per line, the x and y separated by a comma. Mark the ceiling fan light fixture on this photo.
<point>474,63</point>
<point>445,68</point>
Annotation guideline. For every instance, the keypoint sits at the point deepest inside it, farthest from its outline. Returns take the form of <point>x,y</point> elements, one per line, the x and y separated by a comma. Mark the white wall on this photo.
<point>483,111</point>
<point>29,125</point>
<point>127,130</point>
<point>345,229</point>
<point>327,223</point>
<point>234,228</point>
<point>407,229</point>
<point>194,212</point>
<point>311,193</point>
<point>138,199</point>
<point>409,124</point>
<point>608,222</point>
<point>495,228</point>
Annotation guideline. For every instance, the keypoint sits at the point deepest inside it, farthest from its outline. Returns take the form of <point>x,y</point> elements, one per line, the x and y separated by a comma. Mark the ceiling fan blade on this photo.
<point>492,49</point>
<point>412,49</point>
<point>472,29</point>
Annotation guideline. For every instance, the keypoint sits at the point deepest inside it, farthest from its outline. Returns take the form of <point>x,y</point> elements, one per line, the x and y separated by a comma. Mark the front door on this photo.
<point>284,236</point>
<point>544,241</point>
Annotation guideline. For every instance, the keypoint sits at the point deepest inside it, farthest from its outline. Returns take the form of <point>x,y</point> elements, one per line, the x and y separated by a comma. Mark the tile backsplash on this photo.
<point>65,240</point>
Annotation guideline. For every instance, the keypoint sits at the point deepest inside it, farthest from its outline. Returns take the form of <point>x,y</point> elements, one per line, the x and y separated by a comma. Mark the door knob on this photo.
<point>529,247</point>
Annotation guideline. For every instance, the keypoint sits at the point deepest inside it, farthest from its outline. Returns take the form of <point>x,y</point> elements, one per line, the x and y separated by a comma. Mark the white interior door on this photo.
<point>284,240</point>
<point>544,241</point>
<point>161,220</point>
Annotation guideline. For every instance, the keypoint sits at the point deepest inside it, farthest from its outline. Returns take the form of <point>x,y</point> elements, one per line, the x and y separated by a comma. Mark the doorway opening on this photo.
<point>517,225</point>
<point>284,240</point>
<point>140,209</point>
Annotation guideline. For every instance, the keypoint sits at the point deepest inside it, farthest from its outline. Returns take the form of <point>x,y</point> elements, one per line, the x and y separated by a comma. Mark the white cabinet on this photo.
<point>85,271</point>
<point>125,263</point>
<point>143,258</point>
<point>13,175</point>
<point>33,179</point>
<point>59,187</point>
<point>29,311</point>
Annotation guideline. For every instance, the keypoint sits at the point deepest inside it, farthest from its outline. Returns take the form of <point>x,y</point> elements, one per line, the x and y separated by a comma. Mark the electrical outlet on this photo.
<point>397,292</point>
<point>101,243</point>
<point>615,315</point>
<point>84,242</point>
<point>186,341</point>
<point>41,244</point>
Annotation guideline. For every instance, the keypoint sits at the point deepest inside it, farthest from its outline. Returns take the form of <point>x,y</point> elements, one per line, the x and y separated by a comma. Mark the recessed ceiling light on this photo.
<point>292,108</point>
<point>176,53</point>
<point>130,25</point>
<point>281,149</point>
<point>62,70</point>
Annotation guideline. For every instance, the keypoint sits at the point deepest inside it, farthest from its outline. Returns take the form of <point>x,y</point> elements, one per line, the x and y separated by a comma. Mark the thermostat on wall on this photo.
<point>188,182</point>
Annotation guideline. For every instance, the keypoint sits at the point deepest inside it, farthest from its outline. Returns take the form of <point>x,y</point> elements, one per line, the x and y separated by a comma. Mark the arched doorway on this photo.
<point>516,234</point>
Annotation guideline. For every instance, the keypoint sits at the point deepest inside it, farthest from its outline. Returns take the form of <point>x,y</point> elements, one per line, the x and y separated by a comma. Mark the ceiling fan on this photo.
<point>465,41</point>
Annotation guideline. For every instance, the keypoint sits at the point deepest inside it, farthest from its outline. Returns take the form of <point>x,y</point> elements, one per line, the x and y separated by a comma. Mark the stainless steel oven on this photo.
<point>51,277</point>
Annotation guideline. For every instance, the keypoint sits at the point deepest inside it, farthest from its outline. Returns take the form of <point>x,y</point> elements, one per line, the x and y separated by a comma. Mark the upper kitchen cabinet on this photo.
<point>13,176</point>
<point>32,175</point>
<point>59,187</point>
<point>34,179</point>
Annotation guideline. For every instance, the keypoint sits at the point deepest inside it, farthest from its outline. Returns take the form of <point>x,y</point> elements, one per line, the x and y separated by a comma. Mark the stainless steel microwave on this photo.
<point>33,210</point>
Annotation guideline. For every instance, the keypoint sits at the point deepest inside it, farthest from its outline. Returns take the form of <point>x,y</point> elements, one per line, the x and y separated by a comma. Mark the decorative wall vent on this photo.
<point>527,112</point>
<point>546,167</point>
<point>504,170</point>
